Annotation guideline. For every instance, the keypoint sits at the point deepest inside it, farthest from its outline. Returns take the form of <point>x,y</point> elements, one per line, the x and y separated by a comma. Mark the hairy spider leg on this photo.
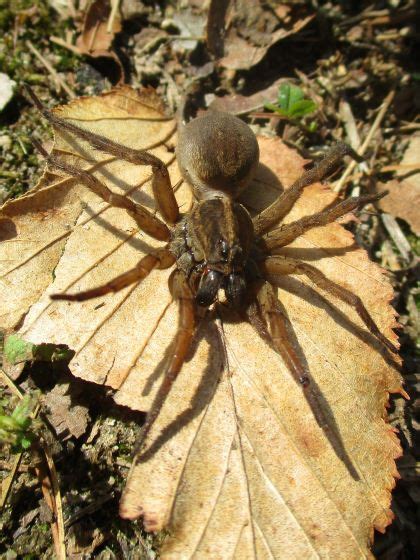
<point>147,221</point>
<point>162,259</point>
<point>284,203</point>
<point>282,342</point>
<point>289,232</point>
<point>183,338</point>
<point>274,319</point>
<point>279,265</point>
<point>161,184</point>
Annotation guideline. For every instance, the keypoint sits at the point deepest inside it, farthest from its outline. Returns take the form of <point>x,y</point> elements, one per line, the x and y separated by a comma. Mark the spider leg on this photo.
<point>289,232</point>
<point>143,268</point>
<point>161,184</point>
<point>273,317</point>
<point>284,344</point>
<point>280,265</point>
<point>147,221</point>
<point>284,203</point>
<point>186,326</point>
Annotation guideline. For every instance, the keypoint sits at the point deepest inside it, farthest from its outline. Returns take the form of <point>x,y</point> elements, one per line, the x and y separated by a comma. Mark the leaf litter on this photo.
<point>237,464</point>
<point>403,200</point>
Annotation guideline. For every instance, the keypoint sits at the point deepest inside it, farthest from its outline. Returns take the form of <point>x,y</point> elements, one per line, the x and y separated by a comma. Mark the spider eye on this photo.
<point>224,249</point>
<point>208,287</point>
<point>235,289</point>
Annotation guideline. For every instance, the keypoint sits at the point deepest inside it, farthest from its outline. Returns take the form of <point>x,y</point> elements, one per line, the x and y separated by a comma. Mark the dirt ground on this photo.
<point>355,60</point>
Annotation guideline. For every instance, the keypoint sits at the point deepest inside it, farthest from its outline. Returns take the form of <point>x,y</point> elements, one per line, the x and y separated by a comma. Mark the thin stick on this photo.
<point>114,8</point>
<point>379,117</point>
<point>403,168</point>
<point>397,235</point>
<point>51,70</point>
<point>7,381</point>
<point>6,484</point>
<point>62,43</point>
<point>58,505</point>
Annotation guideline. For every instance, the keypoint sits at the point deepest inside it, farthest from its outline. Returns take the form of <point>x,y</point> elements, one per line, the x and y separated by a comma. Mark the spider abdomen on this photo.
<point>217,153</point>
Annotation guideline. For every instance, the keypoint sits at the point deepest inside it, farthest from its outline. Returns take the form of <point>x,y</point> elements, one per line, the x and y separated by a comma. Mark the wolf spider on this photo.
<point>217,246</point>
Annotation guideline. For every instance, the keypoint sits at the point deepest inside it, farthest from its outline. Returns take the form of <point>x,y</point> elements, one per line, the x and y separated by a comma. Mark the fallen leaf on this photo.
<point>252,31</point>
<point>242,104</point>
<point>96,38</point>
<point>237,465</point>
<point>191,27</point>
<point>403,200</point>
<point>68,417</point>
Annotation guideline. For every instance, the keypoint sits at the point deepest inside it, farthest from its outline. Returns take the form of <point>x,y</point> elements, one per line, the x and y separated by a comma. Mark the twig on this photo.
<point>5,466</point>
<point>9,383</point>
<point>346,115</point>
<point>408,127</point>
<point>385,105</point>
<point>397,235</point>
<point>403,167</point>
<point>62,43</point>
<point>51,70</point>
<point>6,484</point>
<point>89,509</point>
<point>58,506</point>
<point>114,9</point>
<point>215,29</point>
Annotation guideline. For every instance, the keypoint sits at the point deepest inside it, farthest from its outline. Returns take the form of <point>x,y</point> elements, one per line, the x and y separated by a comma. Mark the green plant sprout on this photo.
<point>292,105</point>
<point>16,429</point>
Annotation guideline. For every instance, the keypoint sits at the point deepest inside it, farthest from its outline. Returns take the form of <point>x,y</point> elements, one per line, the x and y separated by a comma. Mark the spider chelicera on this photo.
<point>217,247</point>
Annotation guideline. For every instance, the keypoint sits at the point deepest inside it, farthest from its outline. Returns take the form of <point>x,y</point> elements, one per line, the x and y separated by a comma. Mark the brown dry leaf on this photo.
<point>65,414</point>
<point>242,104</point>
<point>403,200</point>
<point>253,31</point>
<point>95,39</point>
<point>237,467</point>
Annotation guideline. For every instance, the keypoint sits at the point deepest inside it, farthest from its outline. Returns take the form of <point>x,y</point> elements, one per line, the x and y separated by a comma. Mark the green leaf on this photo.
<point>302,108</point>
<point>313,126</point>
<point>18,350</point>
<point>275,109</point>
<point>26,443</point>
<point>288,96</point>
<point>8,424</point>
<point>23,409</point>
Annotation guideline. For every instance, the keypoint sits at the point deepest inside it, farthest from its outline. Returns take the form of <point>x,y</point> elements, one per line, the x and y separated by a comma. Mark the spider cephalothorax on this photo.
<point>212,247</point>
<point>217,245</point>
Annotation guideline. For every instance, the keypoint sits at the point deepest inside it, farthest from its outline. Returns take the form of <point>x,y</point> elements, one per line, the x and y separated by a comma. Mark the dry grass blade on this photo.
<point>375,125</point>
<point>47,477</point>
<point>236,465</point>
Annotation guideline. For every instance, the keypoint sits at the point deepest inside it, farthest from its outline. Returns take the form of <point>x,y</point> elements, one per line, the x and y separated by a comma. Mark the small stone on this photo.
<point>3,194</point>
<point>7,87</point>
<point>5,142</point>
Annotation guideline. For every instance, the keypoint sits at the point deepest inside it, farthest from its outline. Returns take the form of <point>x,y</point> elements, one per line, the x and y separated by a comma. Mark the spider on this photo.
<point>217,247</point>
